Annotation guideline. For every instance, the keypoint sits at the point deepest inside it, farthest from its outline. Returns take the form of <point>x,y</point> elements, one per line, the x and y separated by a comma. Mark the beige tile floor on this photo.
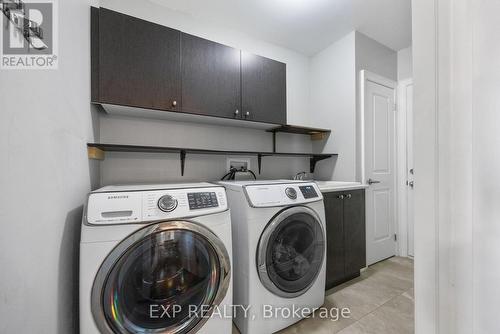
<point>380,300</point>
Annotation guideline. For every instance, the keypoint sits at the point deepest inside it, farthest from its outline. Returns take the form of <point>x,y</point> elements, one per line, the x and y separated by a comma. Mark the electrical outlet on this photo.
<point>238,163</point>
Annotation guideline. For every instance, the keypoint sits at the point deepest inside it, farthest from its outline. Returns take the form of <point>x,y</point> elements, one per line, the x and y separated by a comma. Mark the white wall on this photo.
<point>333,106</point>
<point>405,64</point>
<point>130,167</point>
<point>45,123</point>
<point>426,229</point>
<point>375,57</point>
<point>471,63</point>
<point>456,80</point>
<point>334,98</point>
<point>485,246</point>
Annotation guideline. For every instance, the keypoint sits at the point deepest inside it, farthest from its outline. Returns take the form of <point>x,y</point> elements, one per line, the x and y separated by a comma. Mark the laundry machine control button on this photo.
<point>167,203</point>
<point>308,192</point>
<point>202,200</point>
<point>291,193</point>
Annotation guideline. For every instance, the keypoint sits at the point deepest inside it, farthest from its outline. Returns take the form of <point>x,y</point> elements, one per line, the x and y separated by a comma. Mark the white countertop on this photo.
<point>329,186</point>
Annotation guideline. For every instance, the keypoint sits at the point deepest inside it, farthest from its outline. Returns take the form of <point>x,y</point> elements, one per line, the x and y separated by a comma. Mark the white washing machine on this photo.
<point>279,254</point>
<point>156,259</point>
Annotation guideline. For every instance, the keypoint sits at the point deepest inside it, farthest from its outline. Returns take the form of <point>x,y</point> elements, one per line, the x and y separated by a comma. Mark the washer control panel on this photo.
<point>308,191</point>
<point>270,195</point>
<point>151,205</point>
<point>202,200</point>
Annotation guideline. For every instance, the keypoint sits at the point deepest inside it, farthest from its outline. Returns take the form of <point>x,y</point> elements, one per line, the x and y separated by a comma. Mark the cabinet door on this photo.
<point>335,265</point>
<point>354,231</point>
<point>263,89</point>
<point>139,62</point>
<point>210,78</point>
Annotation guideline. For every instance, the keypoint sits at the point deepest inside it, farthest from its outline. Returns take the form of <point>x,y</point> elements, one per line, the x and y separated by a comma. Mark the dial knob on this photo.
<point>291,193</point>
<point>167,203</point>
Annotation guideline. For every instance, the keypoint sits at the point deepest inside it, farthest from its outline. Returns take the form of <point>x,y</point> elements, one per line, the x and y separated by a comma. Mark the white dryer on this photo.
<point>279,252</point>
<point>156,259</point>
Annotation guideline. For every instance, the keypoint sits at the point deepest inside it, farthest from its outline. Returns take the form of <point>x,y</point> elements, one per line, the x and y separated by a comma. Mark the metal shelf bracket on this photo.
<point>313,160</point>
<point>182,154</point>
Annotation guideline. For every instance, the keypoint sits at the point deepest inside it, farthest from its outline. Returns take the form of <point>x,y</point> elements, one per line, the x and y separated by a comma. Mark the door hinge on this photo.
<point>395,237</point>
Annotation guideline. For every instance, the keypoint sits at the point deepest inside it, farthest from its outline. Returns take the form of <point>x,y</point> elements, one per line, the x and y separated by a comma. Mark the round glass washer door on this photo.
<point>164,278</point>
<point>291,251</point>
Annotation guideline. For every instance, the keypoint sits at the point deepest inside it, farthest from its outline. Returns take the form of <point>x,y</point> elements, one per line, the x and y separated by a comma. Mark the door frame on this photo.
<point>402,199</point>
<point>364,77</point>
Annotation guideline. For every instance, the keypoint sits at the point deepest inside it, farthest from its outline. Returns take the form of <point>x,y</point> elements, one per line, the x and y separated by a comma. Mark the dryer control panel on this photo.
<point>276,194</point>
<point>144,206</point>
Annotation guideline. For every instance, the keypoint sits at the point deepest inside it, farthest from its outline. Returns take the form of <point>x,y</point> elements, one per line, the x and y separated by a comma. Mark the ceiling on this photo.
<point>306,26</point>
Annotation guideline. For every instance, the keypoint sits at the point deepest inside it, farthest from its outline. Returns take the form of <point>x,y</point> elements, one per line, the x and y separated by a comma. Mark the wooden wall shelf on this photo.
<point>315,133</point>
<point>94,150</point>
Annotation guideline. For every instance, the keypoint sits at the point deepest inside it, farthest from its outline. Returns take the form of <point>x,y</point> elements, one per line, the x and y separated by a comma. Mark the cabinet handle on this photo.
<point>340,196</point>
<point>348,196</point>
<point>174,103</point>
<point>236,112</point>
<point>247,114</point>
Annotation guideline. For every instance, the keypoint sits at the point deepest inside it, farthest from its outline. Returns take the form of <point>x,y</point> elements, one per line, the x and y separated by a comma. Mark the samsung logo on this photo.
<point>118,197</point>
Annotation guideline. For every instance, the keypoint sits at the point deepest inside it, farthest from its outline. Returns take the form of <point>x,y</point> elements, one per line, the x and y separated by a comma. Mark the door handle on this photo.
<point>340,196</point>
<point>411,184</point>
<point>370,181</point>
<point>348,196</point>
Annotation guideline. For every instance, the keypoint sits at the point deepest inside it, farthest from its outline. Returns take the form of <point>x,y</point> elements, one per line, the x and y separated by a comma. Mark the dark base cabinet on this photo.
<point>346,235</point>
<point>335,261</point>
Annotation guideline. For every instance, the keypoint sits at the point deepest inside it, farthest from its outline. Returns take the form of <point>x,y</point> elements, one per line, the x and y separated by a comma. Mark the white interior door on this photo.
<point>408,97</point>
<point>379,160</point>
<point>405,200</point>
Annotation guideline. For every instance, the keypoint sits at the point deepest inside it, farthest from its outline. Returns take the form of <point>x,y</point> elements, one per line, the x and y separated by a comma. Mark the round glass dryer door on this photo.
<point>290,252</point>
<point>164,278</point>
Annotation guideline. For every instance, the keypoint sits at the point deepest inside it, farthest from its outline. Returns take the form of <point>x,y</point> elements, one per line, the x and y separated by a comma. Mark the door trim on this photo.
<point>117,252</point>
<point>261,256</point>
<point>364,77</point>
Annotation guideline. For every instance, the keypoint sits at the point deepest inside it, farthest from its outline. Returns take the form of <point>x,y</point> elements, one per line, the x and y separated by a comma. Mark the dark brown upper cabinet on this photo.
<point>140,64</point>
<point>263,89</point>
<point>137,63</point>
<point>211,78</point>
